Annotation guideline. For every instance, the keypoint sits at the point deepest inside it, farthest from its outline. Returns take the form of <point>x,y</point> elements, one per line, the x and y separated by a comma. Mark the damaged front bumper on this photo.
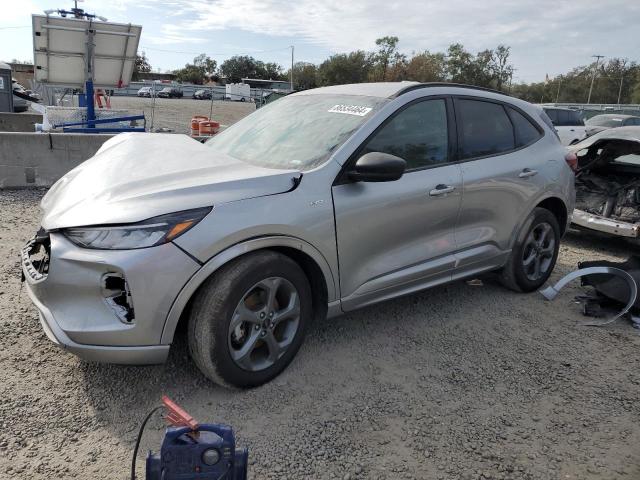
<point>605,224</point>
<point>74,290</point>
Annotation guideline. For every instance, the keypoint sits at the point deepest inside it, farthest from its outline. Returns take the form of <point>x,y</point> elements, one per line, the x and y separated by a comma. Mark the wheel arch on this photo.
<point>559,209</point>
<point>311,261</point>
<point>552,203</point>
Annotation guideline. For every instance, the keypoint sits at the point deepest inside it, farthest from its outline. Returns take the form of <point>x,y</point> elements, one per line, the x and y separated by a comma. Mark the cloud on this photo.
<point>170,35</point>
<point>546,36</point>
<point>341,25</point>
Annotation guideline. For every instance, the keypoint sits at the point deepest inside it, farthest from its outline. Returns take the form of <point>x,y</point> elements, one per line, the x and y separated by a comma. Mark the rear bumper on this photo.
<point>135,355</point>
<point>605,225</point>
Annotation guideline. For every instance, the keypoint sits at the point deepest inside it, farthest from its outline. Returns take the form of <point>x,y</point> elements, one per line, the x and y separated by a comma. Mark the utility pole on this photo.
<point>593,78</point>
<point>559,83</point>
<point>620,89</point>
<point>292,68</point>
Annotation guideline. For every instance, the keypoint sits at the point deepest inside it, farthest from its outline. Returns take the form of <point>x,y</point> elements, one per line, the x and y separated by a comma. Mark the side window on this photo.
<point>418,134</point>
<point>526,133</point>
<point>575,120</point>
<point>553,115</point>
<point>563,118</point>
<point>486,128</point>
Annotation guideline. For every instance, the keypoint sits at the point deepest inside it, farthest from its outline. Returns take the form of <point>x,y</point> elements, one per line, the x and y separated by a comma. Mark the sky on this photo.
<point>547,37</point>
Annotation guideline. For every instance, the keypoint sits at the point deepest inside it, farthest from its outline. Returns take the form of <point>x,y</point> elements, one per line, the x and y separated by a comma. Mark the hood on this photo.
<point>135,176</point>
<point>624,136</point>
<point>595,129</point>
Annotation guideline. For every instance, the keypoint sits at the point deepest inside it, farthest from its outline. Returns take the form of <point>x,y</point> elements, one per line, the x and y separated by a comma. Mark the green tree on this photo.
<point>501,69</point>
<point>269,71</point>
<point>239,67</point>
<point>387,47</point>
<point>635,91</point>
<point>141,65</point>
<point>460,64</point>
<point>345,68</point>
<point>205,64</point>
<point>427,67</point>
<point>197,72</point>
<point>305,75</point>
<point>242,66</point>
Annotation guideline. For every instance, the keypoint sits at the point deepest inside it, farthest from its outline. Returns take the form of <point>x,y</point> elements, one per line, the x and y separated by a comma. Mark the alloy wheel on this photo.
<point>538,251</point>
<point>264,324</point>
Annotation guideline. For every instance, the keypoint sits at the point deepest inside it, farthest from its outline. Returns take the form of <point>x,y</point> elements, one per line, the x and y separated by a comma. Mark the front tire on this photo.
<point>248,320</point>
<point>535,253</point>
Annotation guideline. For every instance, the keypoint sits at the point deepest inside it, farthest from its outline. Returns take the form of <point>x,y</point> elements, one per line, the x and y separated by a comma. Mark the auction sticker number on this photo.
<point>350,110</point>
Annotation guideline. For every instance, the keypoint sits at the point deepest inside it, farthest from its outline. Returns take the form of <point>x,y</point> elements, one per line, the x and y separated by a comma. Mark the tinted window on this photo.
<point>564,118</point>
<point>568,118</point>
<point>575,120</point>
<point>553,115</point>
<point>418,134</point>
<point>526,133</point>
<point>486,129</point>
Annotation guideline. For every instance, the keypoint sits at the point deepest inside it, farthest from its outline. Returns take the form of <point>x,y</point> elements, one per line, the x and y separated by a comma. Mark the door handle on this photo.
<point>441,190</point>
<point>527,172</point>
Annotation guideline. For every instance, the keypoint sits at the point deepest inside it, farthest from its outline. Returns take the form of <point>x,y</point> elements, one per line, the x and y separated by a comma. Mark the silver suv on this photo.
<point>320,203</point>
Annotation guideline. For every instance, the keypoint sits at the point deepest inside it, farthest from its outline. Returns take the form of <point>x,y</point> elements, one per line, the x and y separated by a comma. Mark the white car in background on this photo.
<point>145,92</point>
<point>568,123</point>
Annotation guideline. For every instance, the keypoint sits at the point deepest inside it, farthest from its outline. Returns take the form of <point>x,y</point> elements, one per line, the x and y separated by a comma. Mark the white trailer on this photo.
<point>239,92</point>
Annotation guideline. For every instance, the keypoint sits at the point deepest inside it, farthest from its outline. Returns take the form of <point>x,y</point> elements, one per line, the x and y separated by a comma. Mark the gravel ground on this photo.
<point>175,113</point>
<point>460,381</point>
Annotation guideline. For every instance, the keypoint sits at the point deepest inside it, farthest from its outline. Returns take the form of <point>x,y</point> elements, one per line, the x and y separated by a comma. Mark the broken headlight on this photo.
<point>148,233</point>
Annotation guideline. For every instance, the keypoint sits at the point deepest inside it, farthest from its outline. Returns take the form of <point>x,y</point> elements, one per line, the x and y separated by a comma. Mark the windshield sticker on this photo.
<point>350,110</point>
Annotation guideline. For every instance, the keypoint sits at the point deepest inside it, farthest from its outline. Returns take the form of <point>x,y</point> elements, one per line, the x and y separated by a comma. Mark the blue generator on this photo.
<point>209,452</point>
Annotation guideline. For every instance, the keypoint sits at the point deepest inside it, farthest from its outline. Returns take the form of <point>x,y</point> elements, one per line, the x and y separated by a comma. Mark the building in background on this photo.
<point>277,85</point>
<point>23,73</point>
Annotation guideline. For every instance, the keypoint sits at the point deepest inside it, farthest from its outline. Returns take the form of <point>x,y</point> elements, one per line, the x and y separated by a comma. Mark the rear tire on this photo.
<point>534,254</point>
<point>248,320</point>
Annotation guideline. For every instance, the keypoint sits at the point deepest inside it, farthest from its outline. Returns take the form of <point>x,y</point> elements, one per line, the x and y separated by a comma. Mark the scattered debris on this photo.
<point>602,276</point>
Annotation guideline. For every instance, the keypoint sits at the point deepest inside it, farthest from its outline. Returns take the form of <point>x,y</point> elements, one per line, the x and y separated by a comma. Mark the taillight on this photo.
<point>572,160</point>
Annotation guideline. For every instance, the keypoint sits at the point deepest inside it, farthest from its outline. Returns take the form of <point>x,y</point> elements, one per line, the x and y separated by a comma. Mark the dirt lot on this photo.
<point>458,382</point>
<point>175,113</point>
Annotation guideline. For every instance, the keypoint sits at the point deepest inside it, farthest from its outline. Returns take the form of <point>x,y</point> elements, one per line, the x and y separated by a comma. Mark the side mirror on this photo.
<point>377,167</point>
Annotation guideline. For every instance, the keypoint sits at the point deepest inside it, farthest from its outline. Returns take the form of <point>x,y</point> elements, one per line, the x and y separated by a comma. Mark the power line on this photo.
<point>22,26</point>
<point>213,54</point>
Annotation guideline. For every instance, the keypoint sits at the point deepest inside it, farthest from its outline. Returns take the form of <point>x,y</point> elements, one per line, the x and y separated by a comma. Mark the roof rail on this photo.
<point>444,84</point>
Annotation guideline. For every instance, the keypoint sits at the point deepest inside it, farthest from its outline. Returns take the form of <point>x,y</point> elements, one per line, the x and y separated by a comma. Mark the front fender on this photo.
<point>229,254</point>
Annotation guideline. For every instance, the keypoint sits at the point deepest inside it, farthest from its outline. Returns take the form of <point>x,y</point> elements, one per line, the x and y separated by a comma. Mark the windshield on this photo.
<point>605,122</point>
<point>296,132</point>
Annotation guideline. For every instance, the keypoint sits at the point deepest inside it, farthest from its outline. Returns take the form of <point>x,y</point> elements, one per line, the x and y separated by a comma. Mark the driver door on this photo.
<point>397,237</point>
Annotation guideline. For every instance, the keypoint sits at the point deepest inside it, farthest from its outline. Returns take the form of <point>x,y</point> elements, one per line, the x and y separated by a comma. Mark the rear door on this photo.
<point>397,237</point>
<point>502,168</point>
<point>572,126</point>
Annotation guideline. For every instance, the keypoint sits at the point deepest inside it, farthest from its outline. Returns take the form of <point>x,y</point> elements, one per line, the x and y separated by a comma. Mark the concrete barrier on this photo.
<point>39,159</point>
<point>19,122</point>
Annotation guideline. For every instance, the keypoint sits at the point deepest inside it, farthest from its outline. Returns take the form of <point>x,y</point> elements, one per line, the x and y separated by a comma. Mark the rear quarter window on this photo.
<point>525,131</point>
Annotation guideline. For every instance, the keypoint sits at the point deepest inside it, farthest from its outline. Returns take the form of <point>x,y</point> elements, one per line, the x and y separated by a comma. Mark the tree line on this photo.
<point>616,80</point>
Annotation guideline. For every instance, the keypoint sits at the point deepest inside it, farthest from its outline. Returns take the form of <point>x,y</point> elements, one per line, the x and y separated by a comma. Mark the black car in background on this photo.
<point>170,92</point>
<point>203,94</point>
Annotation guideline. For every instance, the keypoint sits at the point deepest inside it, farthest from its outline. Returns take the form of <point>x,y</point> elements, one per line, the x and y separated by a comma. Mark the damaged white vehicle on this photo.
<point>608,182</point>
